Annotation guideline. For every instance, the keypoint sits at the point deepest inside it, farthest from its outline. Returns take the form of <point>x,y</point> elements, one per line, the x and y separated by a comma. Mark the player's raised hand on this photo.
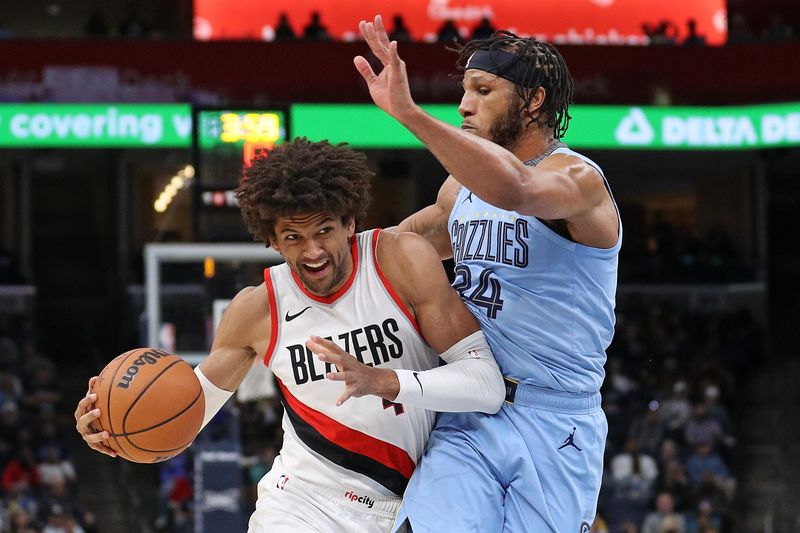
<point>389,89</point>
<point>85,414</point>
<point>359,379</point>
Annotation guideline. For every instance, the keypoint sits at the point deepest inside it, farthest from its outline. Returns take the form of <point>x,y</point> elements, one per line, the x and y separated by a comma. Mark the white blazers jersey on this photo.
<point>367,443</point>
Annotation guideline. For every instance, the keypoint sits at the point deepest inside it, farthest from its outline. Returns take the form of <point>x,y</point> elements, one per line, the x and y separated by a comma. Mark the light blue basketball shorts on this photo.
<point>535,466</point>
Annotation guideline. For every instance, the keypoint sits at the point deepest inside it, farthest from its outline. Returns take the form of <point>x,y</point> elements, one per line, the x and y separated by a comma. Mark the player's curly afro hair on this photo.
<point>550,72</point>
<point>301,177</point>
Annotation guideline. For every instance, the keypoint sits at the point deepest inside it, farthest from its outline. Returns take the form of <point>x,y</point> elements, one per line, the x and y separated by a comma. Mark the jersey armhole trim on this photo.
<point>273,316</point>
<point>387,284</point>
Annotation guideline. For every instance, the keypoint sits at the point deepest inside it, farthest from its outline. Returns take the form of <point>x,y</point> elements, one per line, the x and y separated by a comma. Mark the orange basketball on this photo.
<point>151,403</point>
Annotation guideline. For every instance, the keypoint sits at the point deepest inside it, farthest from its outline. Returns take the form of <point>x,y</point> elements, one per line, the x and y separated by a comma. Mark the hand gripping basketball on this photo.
<point>146,406</point>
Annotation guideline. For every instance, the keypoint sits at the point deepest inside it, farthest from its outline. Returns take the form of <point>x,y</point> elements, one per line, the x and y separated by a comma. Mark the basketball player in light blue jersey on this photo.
<point>535,235</point>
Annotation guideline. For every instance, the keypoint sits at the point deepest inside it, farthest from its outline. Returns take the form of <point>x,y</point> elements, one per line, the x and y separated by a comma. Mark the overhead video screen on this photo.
<point>572,21</point>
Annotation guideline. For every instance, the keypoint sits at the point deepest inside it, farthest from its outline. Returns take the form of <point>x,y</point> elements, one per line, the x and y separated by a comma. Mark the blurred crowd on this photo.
<point>38,481</point>
<point>665,252</point>
<point>671,375</point>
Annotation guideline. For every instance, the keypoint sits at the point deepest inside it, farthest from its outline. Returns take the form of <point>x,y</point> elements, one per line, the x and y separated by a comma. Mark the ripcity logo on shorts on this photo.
<point>353,497</point>
<point>149,357</point>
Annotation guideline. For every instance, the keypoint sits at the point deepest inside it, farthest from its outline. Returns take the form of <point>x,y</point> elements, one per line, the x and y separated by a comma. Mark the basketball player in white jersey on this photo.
<point>349,449</point>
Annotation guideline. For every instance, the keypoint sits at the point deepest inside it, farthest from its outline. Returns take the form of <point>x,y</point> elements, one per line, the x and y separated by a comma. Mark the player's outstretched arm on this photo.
<point>564,188</point>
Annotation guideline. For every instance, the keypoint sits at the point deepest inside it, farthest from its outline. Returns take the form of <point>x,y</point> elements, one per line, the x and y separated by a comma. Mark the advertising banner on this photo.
<point>559,21</point>
<point>602,127</point>
<point>95,125</point>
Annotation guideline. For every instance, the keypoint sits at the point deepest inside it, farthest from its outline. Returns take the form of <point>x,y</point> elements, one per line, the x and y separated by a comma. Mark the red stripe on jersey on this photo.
<point>336,295</point>
<point>273,316</point>
<point>351,439</point>
<point>406,311</point>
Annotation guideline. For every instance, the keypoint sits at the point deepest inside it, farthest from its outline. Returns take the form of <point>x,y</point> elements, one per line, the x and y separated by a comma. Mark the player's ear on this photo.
<point>274,243</point>
<point>349,223</point>
<point>534,109</point>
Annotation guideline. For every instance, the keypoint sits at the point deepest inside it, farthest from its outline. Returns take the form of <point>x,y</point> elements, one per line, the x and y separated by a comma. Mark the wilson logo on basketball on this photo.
<point>147,358</point>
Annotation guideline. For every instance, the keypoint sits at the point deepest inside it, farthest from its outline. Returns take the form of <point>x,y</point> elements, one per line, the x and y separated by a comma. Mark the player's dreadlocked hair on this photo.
<point>301,177</point>
<point>550,72</point>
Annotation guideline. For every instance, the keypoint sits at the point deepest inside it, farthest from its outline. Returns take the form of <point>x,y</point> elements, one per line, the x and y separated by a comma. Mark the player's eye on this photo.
<point>484,91</point>
<point>326,229</point>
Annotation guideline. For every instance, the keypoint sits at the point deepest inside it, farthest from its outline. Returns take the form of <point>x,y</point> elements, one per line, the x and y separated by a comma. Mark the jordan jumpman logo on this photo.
<point>569,441</point>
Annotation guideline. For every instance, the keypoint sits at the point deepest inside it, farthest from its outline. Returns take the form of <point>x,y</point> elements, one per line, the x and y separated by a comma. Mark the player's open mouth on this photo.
<point>316,268</point>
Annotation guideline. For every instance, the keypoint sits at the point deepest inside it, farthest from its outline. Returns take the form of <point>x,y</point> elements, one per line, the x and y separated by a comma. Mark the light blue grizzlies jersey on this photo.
<point>545,303</point>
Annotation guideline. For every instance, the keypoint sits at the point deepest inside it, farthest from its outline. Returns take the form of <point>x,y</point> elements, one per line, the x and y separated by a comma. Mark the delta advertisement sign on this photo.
<point>686,128</point>
<point>559,21</point>
<point>601,127</point>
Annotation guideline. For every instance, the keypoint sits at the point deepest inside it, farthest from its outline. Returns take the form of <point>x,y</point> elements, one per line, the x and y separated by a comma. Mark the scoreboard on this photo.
<point>226,141</point>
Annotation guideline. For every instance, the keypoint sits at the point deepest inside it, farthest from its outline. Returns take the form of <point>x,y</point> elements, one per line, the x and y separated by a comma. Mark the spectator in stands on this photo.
<point>692,37</point>
<point>55,469</point>
<point>633,463</point>
<point>668,452</point>
<point>134,25</point>
<point>616,378</point>
<point>448,32</point>
<point>315,30</point>
<point>49,433</point>
<point>484,29</point>
<point>21,521</point>
<point>648,430</point>
<point>58,521</point>
<point>10,388</point>
<point>738,30</point>
<point>676,410</point>
<point>634,475</point>
<point>18,498</point>
<point>663,33</point>
<point>9,430</point>
<point>719,412</point>
<point>96,24</point>
<point>675,482</point>
<point>400,31</point>
<point>664,518</point>
<point>704,519</point>
<point>703,460</point>
<point>262,464</point>
<point>703,429</point>
<point>778,30</point>
<point>56,498</point>
<point>21,472</point>
<point>42,394</point>
<point>284,31</point>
